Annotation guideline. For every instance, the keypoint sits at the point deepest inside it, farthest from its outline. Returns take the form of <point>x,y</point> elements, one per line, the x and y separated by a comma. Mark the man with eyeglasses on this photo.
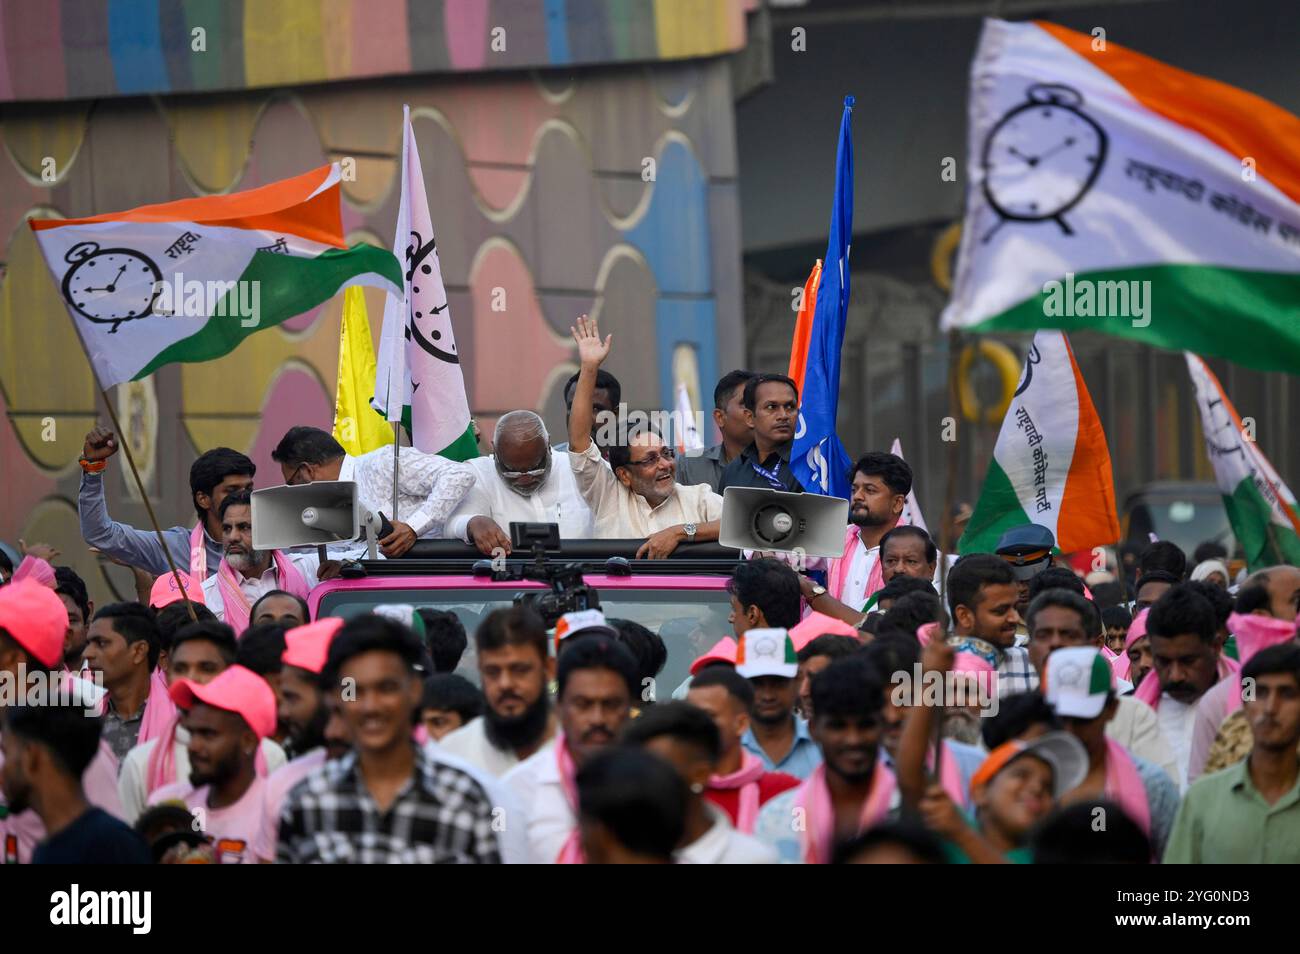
<point>518,483</point>
<point>429,488</point>
<point>637,494</point>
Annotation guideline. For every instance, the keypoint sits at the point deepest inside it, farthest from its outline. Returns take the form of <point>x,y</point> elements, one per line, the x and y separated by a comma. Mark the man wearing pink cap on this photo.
<point>304,712</point>
<point>165,591</point>
<point>33,622</point>
<point>227,719</point>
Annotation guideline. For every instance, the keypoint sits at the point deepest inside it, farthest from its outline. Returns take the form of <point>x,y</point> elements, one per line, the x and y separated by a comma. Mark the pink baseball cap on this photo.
<point>37,570</point>
<point>819,624</point>
<point>165,592</point>
<point>36,618</point>
<point>236,690</point>
<point>1136,629</point>
<point>307,646</point>
<point>723,651</point>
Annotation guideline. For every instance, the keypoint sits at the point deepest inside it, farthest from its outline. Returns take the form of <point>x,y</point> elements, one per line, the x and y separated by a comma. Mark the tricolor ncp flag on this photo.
<point>189,280</point>
<point>1051,465</point>
<point>1165,204</point>
<point>1260,506</point>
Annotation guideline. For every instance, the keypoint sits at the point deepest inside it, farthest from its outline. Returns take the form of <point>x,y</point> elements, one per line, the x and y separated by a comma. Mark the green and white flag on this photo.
<point>1260,506</point>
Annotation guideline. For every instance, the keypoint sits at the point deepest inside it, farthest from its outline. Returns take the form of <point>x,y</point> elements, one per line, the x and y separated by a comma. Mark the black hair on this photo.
<point>902,585</point>
<point>604,382</point>
<point>892,469</point>
<point>637,797</point>
<point>912,611</point>
<point>912,837</point>
<point>306,445</point>
<point>1016,713</point>
<point>620,452</point>
<point>1219,599</point>
<point>1155,576</point>
<point>1070,836</point>
<point>907,530</point>
<point>727,385</point>
<point>444,635</point>
<point>750,398</point>
<point>832,645</point>
<point>678,720</point>
<point>1109,594</point>
<point>770,585</point>
<point>849,686</point>
<point>1163,555</point>
<point>134,622</point>
<point>1253,594</point>
<point>452,693</point>
<point>302,603</point>
<point>972,573</point>
<point>1089,617</point>
<point>212,467</point>
<point>66,730</point>
<point>737,686</point>
<point>595,651</point>
<point>236,498</point>
<point>646,647</point>
<point>69,584</point>
<point>512,626</point>
<point>1182,610</point>
<point>261,647</point>
<point>371,632</point>
<point>6,564</point>
<point>1056,578</point>
<point>871,622</point>
<point>218,634</point>
<point>1116,617</point>
<point>172,617</point>
<point>893,653</point>
<point>1283,658</point>
<point>1209,550</point>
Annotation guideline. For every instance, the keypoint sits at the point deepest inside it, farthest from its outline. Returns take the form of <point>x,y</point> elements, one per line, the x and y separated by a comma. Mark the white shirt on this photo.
<point>622,514</point>
<point>429,486</point>
<point>537,789</point>
<point>1137,728</point>
<point>1176,721</point>
<point>853,592</point>
<point>556,501</point>
<point>254,588</point>
<point>723,845</point>
<point>470,742</point>
<point>132,779</point>
<point>512,839</point>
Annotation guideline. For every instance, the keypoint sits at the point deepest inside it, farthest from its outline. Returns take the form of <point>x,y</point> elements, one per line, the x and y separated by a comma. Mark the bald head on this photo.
<point>522,450</point>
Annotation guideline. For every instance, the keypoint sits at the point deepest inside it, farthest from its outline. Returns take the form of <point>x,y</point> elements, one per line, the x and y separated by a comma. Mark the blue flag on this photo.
<point>818,458</point>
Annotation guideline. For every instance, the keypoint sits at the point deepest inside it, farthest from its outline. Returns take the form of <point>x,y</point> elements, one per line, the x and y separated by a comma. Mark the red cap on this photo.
<point>307,646</point>
<point>164,591</point>
<point>724,650</point>
<point>36,618</point>
<point>236,690</point>
<point>819,624</point>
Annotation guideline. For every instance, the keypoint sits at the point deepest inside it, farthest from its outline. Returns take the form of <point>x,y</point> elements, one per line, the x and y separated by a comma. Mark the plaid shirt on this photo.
<point>1015,672</point>
<point>441,815</point>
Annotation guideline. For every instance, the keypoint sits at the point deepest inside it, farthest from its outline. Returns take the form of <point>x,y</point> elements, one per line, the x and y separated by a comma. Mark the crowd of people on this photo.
<point>1144,712</point>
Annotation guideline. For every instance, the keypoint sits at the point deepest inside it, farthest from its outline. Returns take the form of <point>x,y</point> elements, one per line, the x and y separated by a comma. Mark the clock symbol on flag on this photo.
<point>433,316</point>
<point>110,285</point>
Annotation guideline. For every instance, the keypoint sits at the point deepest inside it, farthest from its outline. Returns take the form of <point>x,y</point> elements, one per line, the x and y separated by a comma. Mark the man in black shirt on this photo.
<point>772,407</point>
<point>47,749</point>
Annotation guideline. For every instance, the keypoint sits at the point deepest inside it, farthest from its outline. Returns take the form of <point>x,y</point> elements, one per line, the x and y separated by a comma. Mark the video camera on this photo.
<point>569,594</point>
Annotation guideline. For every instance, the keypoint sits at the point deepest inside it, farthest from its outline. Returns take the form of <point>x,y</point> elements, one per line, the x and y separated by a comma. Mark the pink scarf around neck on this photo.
<point>198,553</point>
<point>1148,690</point>
<point>838,571</point>
<point>745,779</point>
<point>161,769</point>
<point>1124,785</point>
<point>814,797</point>
<point>571,853</point>
<point>235,604</point>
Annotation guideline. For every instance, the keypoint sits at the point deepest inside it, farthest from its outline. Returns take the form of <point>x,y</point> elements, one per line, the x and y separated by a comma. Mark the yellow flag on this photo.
<point>357,426</point>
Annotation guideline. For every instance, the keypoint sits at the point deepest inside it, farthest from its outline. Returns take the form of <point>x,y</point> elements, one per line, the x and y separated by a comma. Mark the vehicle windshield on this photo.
<point>1188,520</point>
<point>688,621</point>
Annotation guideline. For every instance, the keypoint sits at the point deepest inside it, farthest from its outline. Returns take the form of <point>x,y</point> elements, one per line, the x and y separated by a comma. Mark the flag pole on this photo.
<point>148,506</point>
<point>945,527</point>
<point>397,446</point>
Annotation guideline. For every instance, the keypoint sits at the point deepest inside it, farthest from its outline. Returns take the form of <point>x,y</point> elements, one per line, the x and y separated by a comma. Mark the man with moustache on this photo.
<point>852,789</point>
<point>637,494</point>
<point>519,483</point>
<point>778,737</point>
<point>71,589</point>
<point>227,719</point>
<point>596,681</point>
<point>514,668</point>
<point>772,412</point>
<point>733,424</point>
<point>982,596</point>
<point>246,574</point>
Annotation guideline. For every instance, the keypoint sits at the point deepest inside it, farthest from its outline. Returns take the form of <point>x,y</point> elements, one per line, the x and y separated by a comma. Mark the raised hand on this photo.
<point>591,350</point>
<point>101,444</point>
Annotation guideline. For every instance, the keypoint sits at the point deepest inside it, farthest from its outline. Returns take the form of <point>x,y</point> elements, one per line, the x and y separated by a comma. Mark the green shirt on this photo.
<point>1225,820</point>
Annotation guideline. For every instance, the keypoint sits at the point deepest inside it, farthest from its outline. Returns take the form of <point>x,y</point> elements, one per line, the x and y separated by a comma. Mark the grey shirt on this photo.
<point>704,468</point>
<point>121,734</point>
<point>135,547</point>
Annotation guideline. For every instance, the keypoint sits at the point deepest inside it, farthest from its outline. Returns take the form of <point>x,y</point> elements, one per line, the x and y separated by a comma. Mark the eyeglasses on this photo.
<point>505,471</point>
<point>293,478</point>
<point>665,453</point>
